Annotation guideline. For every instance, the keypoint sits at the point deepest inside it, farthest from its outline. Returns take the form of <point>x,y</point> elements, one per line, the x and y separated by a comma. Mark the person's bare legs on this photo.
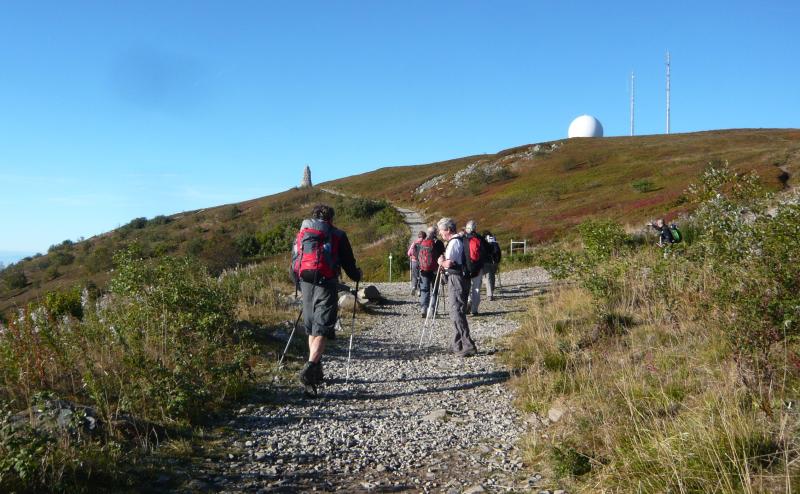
<point>316,347</point>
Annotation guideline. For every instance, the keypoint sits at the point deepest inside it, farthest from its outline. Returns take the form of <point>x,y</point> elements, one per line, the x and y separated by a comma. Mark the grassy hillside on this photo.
<point>675,369</point>
<point>535,191</point>
<point>221,237</point>
<point>540,191</point>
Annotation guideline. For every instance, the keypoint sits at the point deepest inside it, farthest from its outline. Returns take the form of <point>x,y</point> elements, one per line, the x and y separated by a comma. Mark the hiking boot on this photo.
<point>424,314</point>
<point>306,374</point>
<point>317,374</point>
<point>468,353</point>
<point>474,313</point>
<point>311,375</point>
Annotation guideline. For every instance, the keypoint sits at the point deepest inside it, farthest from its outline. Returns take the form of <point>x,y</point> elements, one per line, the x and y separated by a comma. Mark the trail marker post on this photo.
<point>518,243</point>
<point>390,267</point>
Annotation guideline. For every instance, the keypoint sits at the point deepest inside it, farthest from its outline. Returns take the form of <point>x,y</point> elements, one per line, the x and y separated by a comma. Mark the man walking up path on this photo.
<point>428,253</point>
<point>475,282</point>
<point>319,254</point>
<point>454,263</point>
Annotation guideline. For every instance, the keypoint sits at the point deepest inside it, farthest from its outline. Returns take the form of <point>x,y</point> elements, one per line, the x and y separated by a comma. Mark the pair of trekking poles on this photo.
<point>297,321</point>
<point>430,313</point>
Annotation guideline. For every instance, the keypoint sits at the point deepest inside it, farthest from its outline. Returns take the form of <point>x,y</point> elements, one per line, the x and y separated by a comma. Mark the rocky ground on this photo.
<point>408,419</point>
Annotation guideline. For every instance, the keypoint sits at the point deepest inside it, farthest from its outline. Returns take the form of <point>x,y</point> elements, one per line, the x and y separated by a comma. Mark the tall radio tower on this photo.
<point>633,95</point>
<point>667,92</point>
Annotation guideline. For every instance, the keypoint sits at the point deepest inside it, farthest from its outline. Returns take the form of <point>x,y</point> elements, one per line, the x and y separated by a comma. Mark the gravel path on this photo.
<point>413,220</point>
<point>408,419</point>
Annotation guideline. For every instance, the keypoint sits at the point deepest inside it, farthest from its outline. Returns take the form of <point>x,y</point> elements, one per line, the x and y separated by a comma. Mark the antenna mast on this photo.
<point>633,95</point>
<point>667,92</point>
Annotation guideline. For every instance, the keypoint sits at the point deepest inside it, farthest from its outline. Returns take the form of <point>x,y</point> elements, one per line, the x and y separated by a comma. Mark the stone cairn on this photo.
<point>306,183</point>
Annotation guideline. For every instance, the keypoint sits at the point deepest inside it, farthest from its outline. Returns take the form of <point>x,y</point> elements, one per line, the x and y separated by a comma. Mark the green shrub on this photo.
<point>278,239</point>
<point>230,213</point>
<point>61,258</point>
<point>570,462</point>
<point>644,185</point>
<point>100,260</point>
<point>357,208</point>
<point>159,220</point>
<point>602,238</point>
<point>15,278</point>
<point>136,224</point>
<point>248,245</point>
<point>195,246</point>
<point>64,302</point>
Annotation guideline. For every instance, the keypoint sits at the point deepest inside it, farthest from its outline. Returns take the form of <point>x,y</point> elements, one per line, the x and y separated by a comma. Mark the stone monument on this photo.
<point>306,183</point>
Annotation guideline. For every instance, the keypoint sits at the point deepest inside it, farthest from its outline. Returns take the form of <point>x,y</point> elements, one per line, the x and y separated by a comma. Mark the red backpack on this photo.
<point>425,255</point>
<point>316,252</point>
<point>478,253</point>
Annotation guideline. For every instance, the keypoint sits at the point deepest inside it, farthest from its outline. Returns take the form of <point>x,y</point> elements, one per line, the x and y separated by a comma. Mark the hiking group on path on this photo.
<point>407,419</point>
<point>459,260</point>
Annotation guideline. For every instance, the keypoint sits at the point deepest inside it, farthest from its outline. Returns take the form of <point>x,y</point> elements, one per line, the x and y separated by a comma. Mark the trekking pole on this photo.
<point>433,296</point>
<point>444,287</point>
<point>433,325</point>
<point>352,331</point>
<point>288,343</point>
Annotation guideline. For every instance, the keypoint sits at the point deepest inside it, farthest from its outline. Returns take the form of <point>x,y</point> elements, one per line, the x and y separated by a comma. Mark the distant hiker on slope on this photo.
<point>454,262</point>
<point>428,252</point>
<point>667,233</point>
<point>319,254</point>
<point>412,257</point>
<point>492,264</point>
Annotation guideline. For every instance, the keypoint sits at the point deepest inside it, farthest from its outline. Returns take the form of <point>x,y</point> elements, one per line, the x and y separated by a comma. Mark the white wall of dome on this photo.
<point>585,126</point>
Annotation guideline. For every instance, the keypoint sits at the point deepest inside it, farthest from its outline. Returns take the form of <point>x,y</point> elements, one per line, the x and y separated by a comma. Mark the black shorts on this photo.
<point>320,309</point>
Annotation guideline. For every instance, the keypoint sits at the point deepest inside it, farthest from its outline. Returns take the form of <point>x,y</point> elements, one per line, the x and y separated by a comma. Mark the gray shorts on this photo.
<point>320,309</point>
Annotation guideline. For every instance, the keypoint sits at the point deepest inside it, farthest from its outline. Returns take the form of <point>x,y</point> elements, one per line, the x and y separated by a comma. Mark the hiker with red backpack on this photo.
<point>478,251</point>
<point>427,251</point>
<point>412,257</point>
<point>454,264</point>
<point>319,254</point>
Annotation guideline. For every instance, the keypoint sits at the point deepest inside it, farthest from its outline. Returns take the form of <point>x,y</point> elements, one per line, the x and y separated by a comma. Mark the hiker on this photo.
<point>319,254</point>
<point>492,264</point>
<point>454,263</point>
<point>476,251</point>
<point>412,256</point>
<point>665,234</point>
<point>428,252</point>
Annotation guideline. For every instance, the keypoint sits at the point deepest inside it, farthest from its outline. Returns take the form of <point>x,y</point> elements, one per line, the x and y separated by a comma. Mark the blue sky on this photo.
<point>114,110</point>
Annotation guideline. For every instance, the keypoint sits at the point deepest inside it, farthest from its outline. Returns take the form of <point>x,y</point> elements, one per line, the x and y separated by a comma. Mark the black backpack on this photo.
<point>497,252</point>
<point>477,252</point>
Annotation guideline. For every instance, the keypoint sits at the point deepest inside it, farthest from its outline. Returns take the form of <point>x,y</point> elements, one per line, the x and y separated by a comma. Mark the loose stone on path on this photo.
<point>407,420</point>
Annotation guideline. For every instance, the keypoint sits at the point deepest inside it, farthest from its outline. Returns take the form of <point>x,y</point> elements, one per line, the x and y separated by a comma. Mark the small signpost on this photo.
<point>390,267</point>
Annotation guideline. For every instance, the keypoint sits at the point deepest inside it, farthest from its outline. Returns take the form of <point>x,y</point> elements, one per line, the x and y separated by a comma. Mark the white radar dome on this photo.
<point>585,126</point>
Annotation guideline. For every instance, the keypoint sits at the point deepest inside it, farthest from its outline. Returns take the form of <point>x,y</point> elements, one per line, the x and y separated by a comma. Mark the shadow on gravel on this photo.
<point>371,349</point>
<point>335,389</point>
<point>495,313</point>
<point>478,380</point>
<point>422,378</point>
<point>388,302</point>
